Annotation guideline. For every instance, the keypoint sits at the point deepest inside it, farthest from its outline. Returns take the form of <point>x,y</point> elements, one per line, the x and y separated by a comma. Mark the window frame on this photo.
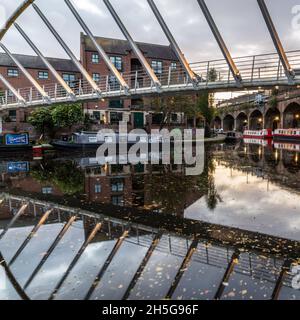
<point>94,59</point>
<point>43,72</point>
<point>14,74</point>
<point>155,66</point>
<point>96,75</point>
<point>118,65</point>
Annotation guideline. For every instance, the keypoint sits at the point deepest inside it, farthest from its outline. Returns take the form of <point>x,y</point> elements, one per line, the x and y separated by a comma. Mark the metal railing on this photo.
<point>256,71</point>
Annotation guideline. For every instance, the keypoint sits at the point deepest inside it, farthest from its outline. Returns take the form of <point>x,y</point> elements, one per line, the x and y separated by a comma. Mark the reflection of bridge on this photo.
<point>279,68</point>
<point>264,259</point>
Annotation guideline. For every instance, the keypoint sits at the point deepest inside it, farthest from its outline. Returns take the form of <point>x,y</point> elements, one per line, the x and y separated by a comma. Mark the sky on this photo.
<point>240,23</point>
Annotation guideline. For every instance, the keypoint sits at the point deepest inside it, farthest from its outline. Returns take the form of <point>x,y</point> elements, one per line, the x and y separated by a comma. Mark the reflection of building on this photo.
<point>138,186</point>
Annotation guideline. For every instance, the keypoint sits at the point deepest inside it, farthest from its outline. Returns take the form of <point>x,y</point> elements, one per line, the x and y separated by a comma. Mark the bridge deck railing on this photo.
<point>260,70</point>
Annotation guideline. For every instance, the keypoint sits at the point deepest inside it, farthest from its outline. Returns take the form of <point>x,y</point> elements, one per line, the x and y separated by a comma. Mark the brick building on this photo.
<point>136,111</point>
<point>16,120</point>
<point>106,113</point>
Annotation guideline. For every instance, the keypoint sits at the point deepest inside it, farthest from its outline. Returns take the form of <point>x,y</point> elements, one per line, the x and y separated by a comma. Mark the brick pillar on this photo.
<point>281,120</point>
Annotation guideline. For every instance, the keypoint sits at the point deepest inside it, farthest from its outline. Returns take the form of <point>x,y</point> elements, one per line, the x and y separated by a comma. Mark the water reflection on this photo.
<point>200,255</point>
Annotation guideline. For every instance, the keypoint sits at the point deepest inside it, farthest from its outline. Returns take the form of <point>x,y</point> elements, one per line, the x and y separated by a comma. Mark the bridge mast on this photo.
<point>99,48</point>
<point>232,66</point>
<point>46,62</point>
<point>276,40</point>
<point>173,43</point>
<point>13,90</point>
<point>134,46</point>
<point>68,51</point>
<point>26,74</point>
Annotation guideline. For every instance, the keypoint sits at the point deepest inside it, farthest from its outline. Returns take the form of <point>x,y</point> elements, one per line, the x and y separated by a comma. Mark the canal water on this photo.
<point>90,231</point>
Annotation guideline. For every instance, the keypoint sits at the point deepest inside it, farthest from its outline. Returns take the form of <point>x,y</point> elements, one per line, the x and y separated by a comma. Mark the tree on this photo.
<point>67,115</point>
<point>41,120</point>
<point>172,104</point>
<point>206,109</point>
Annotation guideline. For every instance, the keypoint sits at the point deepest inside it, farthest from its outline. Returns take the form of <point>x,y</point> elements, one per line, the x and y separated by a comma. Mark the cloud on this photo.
<point>240,23</point>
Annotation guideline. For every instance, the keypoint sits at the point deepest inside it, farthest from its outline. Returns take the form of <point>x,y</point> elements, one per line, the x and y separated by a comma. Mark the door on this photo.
<point>138,120</point>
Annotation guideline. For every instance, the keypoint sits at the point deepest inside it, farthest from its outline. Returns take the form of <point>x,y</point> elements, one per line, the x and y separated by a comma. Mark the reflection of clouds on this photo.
<point>252,206</point>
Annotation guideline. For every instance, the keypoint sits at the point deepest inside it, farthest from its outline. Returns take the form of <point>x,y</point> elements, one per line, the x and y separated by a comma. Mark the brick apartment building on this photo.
<point>136,111</point>
<point>104,113</point>
<point>16,120</point>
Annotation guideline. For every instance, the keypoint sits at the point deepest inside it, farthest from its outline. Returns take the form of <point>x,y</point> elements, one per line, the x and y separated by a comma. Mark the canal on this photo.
<point>73,229</point>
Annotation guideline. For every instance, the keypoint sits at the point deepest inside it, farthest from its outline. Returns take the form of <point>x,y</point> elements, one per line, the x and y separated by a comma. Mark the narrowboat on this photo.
<point>15,142</point>
<point>287,135</point>
<point>93,140</point>
<point>258,134</point>
<point>287,146</point>
<point>261,142</point>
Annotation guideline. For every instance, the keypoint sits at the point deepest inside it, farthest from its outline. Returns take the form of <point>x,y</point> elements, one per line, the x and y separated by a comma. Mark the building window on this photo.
<point>117,62</point>
<point>117,185</point>
<point>69,79</point>
<point>10,93</point>
<point>12,73</point>
<point>157,66</point>
<point>96,77</point>
<point>98,188</point>
<point>47,190</point>
<point>116,104</point>
<point>173,66</point>
<point>95,58</point>
<point>96,115</point>
<point>117,201</point>
<point>174,117</point>
<point>116,117</point>
<point>12,114</point>
<point>113,83</point>
<point>43,75</point>
<point>157,118</point>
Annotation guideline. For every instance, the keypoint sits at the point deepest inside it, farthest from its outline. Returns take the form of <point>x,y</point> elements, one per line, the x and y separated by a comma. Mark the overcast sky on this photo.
<point>240,23</point>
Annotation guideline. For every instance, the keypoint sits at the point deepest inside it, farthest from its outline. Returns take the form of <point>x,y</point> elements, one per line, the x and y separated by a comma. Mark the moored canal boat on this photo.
<point>258,134</point>
<point>295,147</point>
<point>287,135</point>
<point>10,142</point>
<point>93,140</point>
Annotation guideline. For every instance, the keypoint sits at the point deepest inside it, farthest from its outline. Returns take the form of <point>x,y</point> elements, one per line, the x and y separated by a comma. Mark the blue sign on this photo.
<point>16,139</point>
<point>15,167</point>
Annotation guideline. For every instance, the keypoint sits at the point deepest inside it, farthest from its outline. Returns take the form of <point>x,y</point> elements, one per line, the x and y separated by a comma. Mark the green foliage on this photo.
<point>65,116</point>
<point>172,104</point>
<point>204,108</point>
<point>65,176</point>
<point>61,116</point>
<point>41,119</point>
<point>273,102</point>
<point>212,75</point>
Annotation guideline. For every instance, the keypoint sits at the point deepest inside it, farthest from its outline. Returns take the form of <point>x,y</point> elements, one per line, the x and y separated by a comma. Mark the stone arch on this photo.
<point>228,123</point>
<point>291,116</point>
<point>241,121</point>
<point>256,120</point>
<point>272,118</point>
<point>217,123</point>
